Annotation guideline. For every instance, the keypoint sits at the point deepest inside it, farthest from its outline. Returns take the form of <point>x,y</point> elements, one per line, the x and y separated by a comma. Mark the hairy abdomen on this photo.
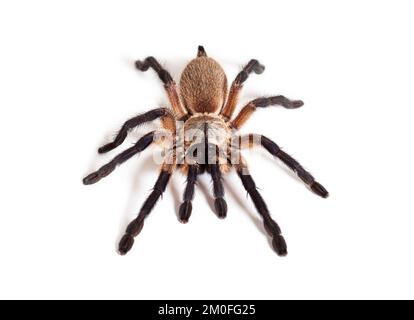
<point>203,85</point>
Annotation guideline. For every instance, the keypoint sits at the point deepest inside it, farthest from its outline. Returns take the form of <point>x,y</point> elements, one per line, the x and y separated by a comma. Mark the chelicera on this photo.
<point>203,138</point>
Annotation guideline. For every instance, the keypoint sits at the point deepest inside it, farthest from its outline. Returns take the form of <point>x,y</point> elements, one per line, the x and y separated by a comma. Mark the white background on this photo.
<point>67,83</point>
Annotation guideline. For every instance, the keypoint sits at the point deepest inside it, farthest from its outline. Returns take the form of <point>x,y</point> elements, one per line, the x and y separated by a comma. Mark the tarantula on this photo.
<point>203,138</point>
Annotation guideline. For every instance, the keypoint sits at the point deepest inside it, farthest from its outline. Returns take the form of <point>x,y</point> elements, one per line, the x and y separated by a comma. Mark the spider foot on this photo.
<point>319,190</point>
<point>143,65</point>
<point>277,100</point>
<point>221,207</point>
<point>94,177</point>
<point>294,104</point>
<point>272,227</point>
<point>105,148</point>
<point>91,178</point>
<point>252,66</point>
<point>184,212</point>
<point>278,242</point>
<point>279,245</point>
<point>133,229</point>
<point>125,244</point>
<point>258,68</point>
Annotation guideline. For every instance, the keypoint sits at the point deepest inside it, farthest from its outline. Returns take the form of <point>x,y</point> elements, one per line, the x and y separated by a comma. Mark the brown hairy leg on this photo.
<point>246,112</point>
<point>169,84</point>
<point>237,85</point>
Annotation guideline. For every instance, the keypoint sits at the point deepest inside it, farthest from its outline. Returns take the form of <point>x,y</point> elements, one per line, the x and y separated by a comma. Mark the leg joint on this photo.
<point>145,141</point>
<point>162,182</point>
<point>247,181</point>
<point>241,77</point>
<point>270,146</point>
<point>165,76</point>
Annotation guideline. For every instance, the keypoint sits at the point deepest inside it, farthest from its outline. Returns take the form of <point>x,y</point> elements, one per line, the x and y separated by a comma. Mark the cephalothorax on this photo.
<point>203,138</point>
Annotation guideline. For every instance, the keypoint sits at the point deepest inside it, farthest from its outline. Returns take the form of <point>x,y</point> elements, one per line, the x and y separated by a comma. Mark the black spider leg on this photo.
<point>106,169</point>
<point>252,66</point>
<point>150,62</point>
<point>277,100</point>
<point>201,168</point>
<point>136,225</point>
<point>186,207</point>
<point>211,158</point>
<point>163,74</point>
<point>218,190</point>
<point>304,175</point>
<point>201,52</point>
<point>132,123</point>
<point>271,227</point>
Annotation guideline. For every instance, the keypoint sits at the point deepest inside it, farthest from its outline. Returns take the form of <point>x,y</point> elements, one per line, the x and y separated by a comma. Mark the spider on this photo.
<point>204,107</point>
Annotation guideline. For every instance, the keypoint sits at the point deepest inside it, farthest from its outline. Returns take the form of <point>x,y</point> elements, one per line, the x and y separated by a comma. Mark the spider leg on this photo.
<point>252,106</point>
<point>186,207</point>
<point>201,168</point>
<point>132,123</point>
<point>136,225</point>
<point>169,84</point>
<point>237,85</point>
<point>106,169</point>
<point>201,52</point>
<point>304,175</point>
<point>271,227</point>
<point>218,190</point>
